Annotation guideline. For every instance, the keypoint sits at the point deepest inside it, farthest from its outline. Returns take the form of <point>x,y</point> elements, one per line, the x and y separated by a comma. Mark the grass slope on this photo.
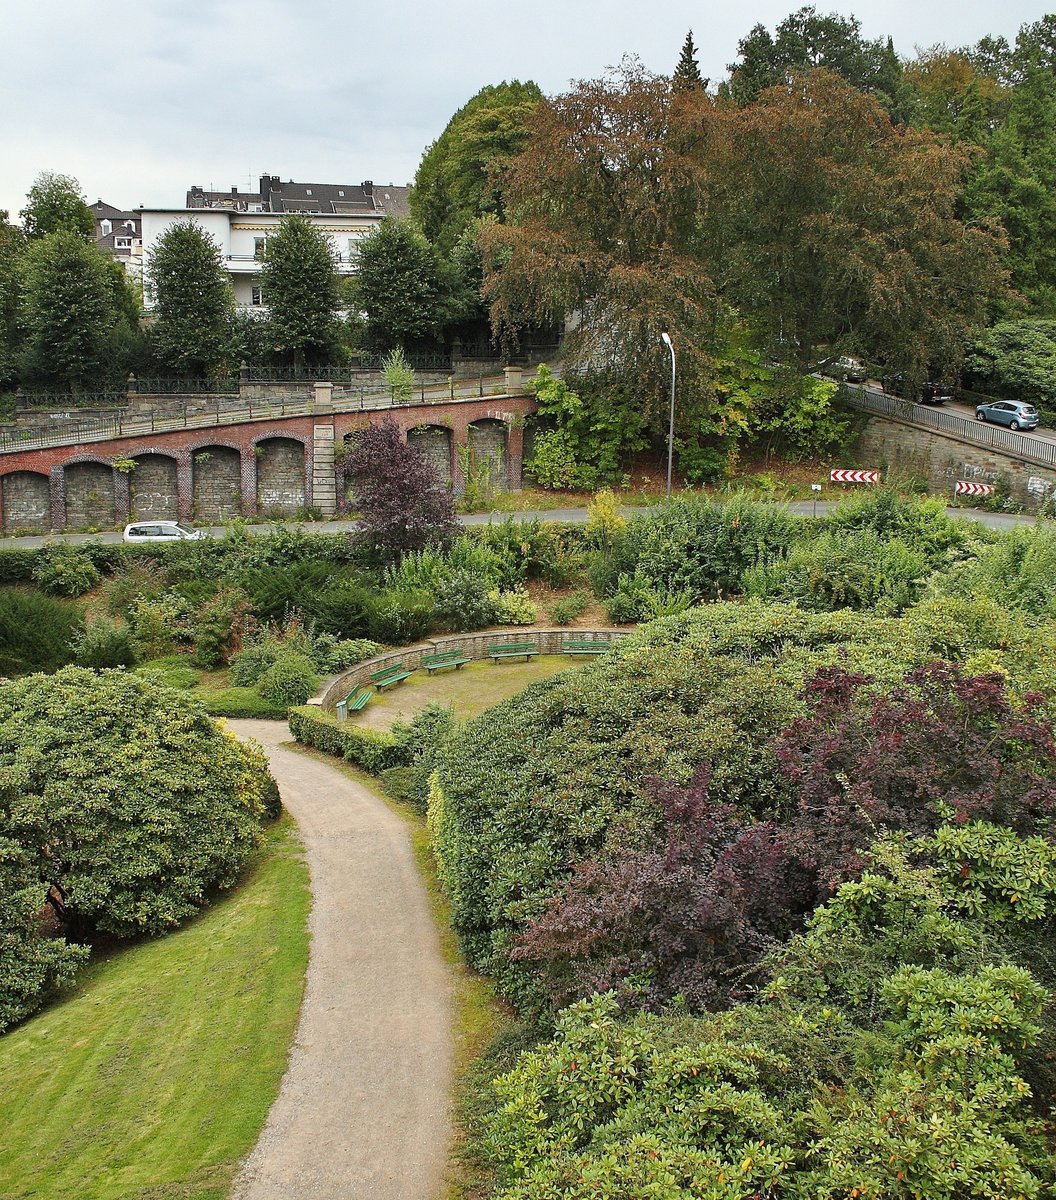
<point>153,1079</point>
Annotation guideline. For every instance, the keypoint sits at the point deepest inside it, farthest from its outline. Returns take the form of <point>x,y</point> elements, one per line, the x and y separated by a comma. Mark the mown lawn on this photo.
<point>153,1079</point>
<point>469,690</point>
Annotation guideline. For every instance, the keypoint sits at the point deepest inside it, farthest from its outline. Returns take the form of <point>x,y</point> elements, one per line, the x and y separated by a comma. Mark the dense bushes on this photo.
<point>36,631</point>
<point>895,1071</point>
<point>556,776</point>
<point>695,546</point>
<point>126,797</point>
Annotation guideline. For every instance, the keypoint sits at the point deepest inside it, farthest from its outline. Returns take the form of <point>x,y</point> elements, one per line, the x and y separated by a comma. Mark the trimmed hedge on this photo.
<point>239,702</point>
<point>367,748</point>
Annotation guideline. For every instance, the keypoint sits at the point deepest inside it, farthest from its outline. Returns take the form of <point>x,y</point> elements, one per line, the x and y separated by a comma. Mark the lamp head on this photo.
<point>666,338</point>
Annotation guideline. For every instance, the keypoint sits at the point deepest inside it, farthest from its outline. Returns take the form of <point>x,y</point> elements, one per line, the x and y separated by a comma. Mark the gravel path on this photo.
<point>363,1108</point>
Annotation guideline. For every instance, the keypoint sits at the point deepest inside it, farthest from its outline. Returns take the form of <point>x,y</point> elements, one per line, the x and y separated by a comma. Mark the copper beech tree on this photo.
<point>636,207</point>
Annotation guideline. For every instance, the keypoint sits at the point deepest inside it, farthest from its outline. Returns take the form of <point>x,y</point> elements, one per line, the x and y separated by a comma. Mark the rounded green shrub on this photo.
<point>127,793</point>
<point>64,571</point>
<point>290,680</point>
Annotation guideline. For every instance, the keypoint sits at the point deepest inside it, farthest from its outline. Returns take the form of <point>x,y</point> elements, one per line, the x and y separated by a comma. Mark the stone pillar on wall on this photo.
<point>514,452</point>
<point>459,440</point>
<point>248,481</point>
<point>514,382</point>
<point>321,470</point>
<point>184,484</point>
<point>323,398</point>
<point>122,498</point>
<point>57,497</point>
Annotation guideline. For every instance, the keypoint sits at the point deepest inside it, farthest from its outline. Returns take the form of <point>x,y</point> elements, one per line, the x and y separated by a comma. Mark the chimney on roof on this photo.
<point>368,186</point>
<point>234,191</point>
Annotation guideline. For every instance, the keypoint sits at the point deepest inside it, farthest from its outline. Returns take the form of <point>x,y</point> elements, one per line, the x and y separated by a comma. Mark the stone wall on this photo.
<point>173,476</point>
<point>89,496</point>
<point>280,477</point>
<point>435,443</point>
<point>153,489</point>
<point>487,444</point>
<point>27,501</point>
<point>943,459</point>
<point>470,645</point>
<point>217,484</point>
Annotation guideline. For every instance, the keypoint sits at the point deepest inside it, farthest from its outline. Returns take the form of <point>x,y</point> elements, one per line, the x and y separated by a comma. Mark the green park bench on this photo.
<point>585,646</point>
<point>356,699</point>
<point>388,675</point>
<point>449,658</point>
<point>525,650</point>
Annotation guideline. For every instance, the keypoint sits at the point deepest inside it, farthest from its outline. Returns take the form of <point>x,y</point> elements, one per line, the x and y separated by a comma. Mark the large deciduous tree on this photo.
<point>55,204</point>
<point>399,285</point>
<point>69,313</point>
<point>457,179</point>
<point>300,285</point>
<point>827,224</point>
<point>192,298</point>
<point>604,205</point>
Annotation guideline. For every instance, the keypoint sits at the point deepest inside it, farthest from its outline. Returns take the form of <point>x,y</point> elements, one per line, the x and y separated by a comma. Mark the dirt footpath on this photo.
<point>364,1106</point>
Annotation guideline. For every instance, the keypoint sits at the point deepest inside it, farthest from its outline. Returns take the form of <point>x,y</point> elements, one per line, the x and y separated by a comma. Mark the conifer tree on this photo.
<point>687,74</point>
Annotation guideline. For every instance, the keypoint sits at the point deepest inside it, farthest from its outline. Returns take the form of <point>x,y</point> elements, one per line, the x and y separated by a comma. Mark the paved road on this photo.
<point>576,516</point>
<point>363,1109</point>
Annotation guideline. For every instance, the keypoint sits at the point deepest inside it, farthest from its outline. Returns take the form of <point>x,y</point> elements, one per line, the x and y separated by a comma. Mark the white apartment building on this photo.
<point>242,222</point>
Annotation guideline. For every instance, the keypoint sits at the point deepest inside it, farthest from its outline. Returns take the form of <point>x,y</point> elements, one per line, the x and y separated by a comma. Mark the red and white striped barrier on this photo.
<point>963,488</point>
<point>854,476</point>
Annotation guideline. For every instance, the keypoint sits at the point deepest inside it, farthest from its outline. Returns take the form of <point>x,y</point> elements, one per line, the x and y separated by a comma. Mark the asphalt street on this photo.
<point>804,508</point>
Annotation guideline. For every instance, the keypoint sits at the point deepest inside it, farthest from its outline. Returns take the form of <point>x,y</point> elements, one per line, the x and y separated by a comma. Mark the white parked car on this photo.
<point>161,531</point>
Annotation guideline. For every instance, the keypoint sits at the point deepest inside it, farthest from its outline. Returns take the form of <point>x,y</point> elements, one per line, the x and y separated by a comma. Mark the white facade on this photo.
<point>241,237</point>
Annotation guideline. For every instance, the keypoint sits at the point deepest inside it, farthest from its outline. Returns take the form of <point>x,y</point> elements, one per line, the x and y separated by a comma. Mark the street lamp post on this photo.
<point>671,420</point>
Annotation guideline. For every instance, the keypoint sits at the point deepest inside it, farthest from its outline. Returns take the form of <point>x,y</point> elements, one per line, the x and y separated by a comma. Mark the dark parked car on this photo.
<point>1016,414</point>
<point>928,392</point>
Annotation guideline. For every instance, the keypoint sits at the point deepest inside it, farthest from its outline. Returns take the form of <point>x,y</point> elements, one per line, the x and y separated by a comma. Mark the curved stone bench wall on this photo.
<point>471,645</point>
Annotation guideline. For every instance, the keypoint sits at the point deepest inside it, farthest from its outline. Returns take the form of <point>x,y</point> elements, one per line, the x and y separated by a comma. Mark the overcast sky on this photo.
<point>140,100</point>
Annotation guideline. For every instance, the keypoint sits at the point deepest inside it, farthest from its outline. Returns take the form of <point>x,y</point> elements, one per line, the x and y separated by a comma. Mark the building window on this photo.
<point>130,225</point>
<point>340,193</point>
<point>105,228</point>
<point>307,191</point>
<point>122,243</point>
<point>259,246</point>
<point>257,298</point>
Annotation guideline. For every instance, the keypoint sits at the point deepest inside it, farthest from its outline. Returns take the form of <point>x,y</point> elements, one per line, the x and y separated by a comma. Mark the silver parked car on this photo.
<point>1016,414</point>
<point>161,531</point>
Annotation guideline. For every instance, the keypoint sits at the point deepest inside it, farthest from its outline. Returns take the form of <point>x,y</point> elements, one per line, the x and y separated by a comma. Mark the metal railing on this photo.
<point>172,386</point>
<point>231,411</point>
<point>1033,449</point>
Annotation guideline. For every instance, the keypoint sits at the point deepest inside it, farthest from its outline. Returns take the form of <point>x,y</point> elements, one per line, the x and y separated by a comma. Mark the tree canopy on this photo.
<point>806,40</point>
<point>55,204</point>
<point>458,178</point>
<point>70,313</point>
<point>399,285</point>
<point>808,213</point>
<point>299,282</point>
<point>193,300</point>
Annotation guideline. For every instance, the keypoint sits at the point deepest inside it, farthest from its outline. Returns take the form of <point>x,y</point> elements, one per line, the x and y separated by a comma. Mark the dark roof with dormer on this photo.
<point>119,221</point>
<point>278,196</point>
